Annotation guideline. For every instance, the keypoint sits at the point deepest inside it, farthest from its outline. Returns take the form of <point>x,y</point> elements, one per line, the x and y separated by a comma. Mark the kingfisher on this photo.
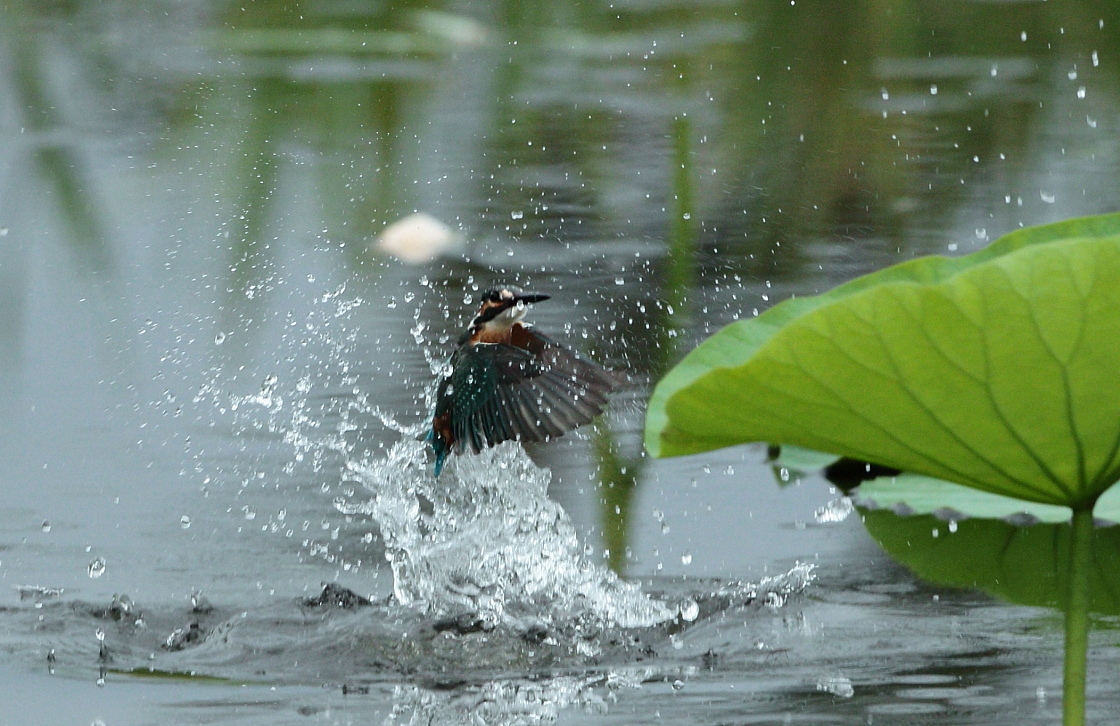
<point>509,382</point>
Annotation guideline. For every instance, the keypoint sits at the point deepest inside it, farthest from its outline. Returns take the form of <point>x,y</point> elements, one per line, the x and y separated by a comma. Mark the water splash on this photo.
<point>486,539</point>
<point>514,701</point>
<point>483,547</point>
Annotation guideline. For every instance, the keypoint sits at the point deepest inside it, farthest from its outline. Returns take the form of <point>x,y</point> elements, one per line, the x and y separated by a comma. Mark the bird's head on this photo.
<point>504,306</point>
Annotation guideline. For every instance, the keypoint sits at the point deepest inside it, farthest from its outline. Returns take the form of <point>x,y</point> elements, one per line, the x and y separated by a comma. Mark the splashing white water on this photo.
<point>486,538</point>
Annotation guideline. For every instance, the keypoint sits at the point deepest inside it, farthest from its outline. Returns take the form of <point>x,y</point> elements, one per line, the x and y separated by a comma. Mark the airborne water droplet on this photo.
<point>836,510</point>
<point>96,568</point>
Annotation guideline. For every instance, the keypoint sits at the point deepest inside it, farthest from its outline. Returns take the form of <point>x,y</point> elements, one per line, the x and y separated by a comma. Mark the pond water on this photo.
<point>211,378</point>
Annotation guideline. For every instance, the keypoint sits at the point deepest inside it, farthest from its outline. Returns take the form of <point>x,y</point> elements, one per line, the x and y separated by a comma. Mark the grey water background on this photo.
<point>190,306</point>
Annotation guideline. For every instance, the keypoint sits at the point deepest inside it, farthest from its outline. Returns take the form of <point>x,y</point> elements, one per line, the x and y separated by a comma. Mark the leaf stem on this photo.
<point>1077,616</point>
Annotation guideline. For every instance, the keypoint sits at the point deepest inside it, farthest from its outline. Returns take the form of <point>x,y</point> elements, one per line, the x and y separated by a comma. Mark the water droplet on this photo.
<point>837,686</point>
<point>678,684</point>
<point>1081,92</point>
<point>219,338</point>
<point>96,568</point>
<point>689,610</point>
<point>199,602</point>
<point>952,526</point>
<point>4,230</point>
<point>1023,36</point>
<point>46,525</point>
<point>933,89</point>
<point>686,558</point>
<point>1046,197</point>
<point>185,522</point>
<point>517,214</point>
<point>837,510</point>
<point>619,281</point>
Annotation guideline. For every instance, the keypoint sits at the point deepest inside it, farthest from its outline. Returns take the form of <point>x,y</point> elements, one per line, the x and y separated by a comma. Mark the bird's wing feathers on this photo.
<point>500,392</point>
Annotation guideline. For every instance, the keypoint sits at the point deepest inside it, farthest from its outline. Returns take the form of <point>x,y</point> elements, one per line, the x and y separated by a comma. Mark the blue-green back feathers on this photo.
<point>499,392</point>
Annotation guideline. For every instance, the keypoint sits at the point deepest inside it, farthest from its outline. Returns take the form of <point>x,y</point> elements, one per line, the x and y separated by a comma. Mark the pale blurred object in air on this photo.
<point>418,238</point>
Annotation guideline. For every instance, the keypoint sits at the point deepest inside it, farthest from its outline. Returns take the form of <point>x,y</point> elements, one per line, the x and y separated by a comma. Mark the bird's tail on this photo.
<point>439,448</point>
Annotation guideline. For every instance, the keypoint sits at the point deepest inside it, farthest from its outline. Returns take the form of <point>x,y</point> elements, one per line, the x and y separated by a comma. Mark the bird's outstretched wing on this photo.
<point>500,392</point>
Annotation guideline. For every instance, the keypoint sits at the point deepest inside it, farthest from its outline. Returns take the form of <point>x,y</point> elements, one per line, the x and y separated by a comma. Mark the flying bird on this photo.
<point>509,382</point>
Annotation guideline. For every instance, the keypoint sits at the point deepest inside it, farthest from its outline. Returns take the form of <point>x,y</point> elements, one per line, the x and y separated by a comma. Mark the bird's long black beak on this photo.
<point>529,297</point>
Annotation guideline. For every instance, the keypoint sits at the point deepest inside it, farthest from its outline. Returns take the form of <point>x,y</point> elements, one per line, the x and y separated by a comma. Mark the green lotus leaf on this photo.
<point>997,370</point>
<point>1027,565</point>
<point>913,495</point>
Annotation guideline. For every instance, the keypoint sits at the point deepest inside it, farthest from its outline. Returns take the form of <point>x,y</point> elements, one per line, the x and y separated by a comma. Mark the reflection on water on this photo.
<point>197,340</point>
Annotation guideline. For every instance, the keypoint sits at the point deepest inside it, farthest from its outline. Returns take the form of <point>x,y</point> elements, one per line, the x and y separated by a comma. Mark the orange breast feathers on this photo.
<point>516,335</point>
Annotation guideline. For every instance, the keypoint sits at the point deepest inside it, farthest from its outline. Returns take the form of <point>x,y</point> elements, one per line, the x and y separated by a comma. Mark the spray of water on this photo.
<point>485,538</point>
